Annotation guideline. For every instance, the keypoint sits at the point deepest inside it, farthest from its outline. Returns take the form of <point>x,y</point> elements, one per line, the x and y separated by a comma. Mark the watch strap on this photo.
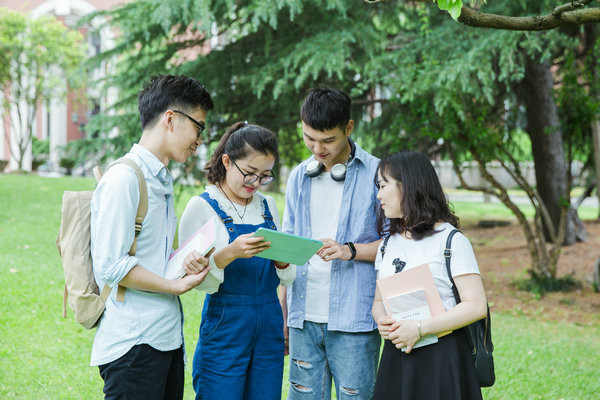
<point>352,250</point>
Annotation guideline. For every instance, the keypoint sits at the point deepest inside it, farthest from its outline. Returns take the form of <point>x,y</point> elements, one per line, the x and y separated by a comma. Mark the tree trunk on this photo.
<point>596,141</point>
<point>547,147</point>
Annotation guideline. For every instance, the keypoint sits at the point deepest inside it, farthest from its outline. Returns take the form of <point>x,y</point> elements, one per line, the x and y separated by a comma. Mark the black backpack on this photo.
<point>479,333</point>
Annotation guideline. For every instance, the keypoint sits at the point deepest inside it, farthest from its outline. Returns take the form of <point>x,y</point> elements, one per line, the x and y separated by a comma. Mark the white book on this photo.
<point>203,241</point>
<point>412,305</point>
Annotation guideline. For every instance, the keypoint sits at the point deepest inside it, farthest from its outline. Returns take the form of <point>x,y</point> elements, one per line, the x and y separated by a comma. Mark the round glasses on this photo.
<point>250,178</point>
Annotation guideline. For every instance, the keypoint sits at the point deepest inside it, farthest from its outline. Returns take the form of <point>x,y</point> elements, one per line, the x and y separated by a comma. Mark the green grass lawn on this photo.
<point>43,356</point>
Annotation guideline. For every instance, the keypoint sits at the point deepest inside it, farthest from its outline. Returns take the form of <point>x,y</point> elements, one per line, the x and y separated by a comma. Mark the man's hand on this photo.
<point>188,282</point>
<point>332,250</point>
<point>194,262</point>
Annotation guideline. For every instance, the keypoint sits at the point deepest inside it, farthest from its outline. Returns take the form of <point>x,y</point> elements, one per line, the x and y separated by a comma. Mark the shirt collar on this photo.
<point>154,164</point>
<point>360,154</point>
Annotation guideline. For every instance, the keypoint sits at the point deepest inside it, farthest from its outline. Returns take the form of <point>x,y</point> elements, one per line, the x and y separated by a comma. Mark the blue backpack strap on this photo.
<point>226,219</point>
<point>267,216</point>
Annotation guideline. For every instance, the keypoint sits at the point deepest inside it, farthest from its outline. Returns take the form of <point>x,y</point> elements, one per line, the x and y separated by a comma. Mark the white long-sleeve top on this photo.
<point>197,212</point>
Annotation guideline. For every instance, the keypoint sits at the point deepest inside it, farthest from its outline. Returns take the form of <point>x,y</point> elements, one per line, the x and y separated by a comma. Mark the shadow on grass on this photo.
<point>540,285</point>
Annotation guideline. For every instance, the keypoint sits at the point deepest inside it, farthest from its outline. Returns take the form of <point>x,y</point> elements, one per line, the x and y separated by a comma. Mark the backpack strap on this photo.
<point>143,206</point>
<point>384,245</point>
<point>142,210</point>
<point>448,255</point>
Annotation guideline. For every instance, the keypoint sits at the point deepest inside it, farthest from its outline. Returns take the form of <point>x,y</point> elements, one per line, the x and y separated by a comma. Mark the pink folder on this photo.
<point>408,281</point>
<point>202,241</point>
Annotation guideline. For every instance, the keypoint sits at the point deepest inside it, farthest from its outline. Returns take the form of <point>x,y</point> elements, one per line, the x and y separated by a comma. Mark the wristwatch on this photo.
<point>352,250</point>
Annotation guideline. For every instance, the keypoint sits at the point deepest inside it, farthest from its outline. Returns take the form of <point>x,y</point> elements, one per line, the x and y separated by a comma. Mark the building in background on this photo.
<point>64,119</point>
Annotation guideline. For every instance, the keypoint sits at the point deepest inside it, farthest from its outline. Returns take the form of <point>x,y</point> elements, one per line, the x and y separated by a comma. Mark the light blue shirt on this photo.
<point>352,282</point>
<point>144,317</point>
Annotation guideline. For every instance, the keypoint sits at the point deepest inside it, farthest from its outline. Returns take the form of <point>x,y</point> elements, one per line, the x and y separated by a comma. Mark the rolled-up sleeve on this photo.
<point>113,210</point>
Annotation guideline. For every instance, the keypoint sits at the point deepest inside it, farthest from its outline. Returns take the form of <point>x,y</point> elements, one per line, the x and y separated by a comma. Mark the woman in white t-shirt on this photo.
<point>419,221</point>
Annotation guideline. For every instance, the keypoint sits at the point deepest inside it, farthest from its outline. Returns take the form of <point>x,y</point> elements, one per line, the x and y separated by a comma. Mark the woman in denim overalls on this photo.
<point>240,350</point>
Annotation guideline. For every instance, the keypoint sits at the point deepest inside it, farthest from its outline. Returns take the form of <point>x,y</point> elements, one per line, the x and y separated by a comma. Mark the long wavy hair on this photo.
<point>422,200</point>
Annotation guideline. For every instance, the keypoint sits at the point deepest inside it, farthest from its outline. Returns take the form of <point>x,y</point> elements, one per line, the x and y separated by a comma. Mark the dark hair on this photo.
<point>168,91</point>
<point>423,202</point>
<point>326,108</point>
<point>237,142</point>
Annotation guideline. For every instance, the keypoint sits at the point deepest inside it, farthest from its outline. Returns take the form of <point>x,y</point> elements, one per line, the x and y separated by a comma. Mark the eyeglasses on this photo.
<point>250,178</point>
<point>199,124</point>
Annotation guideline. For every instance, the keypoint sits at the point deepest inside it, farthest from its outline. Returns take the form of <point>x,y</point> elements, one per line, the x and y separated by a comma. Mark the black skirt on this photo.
<point>440,371</point>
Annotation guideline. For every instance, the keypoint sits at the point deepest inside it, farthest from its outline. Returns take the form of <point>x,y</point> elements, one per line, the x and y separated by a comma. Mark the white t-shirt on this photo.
<point>430,250</point>
<point>325,203</point>
<point>197,212</point>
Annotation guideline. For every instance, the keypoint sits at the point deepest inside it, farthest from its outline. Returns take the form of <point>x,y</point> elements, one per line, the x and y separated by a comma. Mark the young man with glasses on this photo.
<point>241,346</point>
<point>138,345</point>
<point>332,197</point>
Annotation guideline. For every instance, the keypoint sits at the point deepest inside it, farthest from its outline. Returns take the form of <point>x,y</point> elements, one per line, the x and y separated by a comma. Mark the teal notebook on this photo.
<point>287,248</point>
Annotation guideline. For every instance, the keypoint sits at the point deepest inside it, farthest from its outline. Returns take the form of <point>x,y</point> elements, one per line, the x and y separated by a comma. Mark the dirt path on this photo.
<point>503,257</point>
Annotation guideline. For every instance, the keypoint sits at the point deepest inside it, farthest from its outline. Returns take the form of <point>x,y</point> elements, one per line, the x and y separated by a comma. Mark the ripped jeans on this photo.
<point>318,355</point>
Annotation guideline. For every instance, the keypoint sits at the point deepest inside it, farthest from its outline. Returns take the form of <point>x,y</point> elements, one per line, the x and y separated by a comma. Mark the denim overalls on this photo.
<point>239,354</point>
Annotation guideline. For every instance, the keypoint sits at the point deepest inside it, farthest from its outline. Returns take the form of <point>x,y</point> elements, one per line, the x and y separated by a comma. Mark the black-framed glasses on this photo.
<point>199,124</point>
<point>250,178</point>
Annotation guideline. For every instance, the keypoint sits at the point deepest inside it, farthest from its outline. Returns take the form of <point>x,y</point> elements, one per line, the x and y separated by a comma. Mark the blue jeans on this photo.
<point>317,355</point>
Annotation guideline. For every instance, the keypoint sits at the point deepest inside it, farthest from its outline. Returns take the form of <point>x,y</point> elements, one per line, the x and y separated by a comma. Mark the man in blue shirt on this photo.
<point>138,345</point>
<point>332,197</point>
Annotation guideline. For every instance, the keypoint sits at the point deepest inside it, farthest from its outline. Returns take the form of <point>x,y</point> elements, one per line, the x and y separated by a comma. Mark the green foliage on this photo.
<point>39,60</point>
<point>39,55</point>
<point>268,55</point>
<point>439,85</point>
<point>39,147</point>
<point>452,6</point>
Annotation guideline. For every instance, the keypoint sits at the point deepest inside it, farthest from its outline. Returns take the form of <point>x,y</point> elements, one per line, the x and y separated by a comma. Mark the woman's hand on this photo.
<point>332,250</point>
<point>246,246</point>
<point>405,334</point>
<point>384,325</point>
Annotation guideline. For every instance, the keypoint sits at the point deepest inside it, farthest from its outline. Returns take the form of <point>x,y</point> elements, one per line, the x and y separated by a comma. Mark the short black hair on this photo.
<point>169,91</point>
<point>422,199</point>
<point>326,108</point>
<point>237,142</point>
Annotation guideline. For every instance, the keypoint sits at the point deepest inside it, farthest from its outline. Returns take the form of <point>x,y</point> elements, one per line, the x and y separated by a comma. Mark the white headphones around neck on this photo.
<point>338,171</point>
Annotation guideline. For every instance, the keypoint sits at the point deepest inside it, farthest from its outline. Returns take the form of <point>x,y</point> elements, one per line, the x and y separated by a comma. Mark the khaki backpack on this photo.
<point>73,242</point>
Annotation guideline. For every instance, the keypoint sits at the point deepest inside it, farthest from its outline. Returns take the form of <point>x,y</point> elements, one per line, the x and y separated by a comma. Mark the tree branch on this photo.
<point>566,15</point>
<point>570,6</point>
<point>368,102</point>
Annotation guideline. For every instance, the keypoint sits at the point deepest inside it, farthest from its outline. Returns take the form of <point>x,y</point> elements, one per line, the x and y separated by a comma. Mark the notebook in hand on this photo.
<point>412,305</point>
<point>408,281</point>
<point>203,241</point>
<point>287,248</point>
